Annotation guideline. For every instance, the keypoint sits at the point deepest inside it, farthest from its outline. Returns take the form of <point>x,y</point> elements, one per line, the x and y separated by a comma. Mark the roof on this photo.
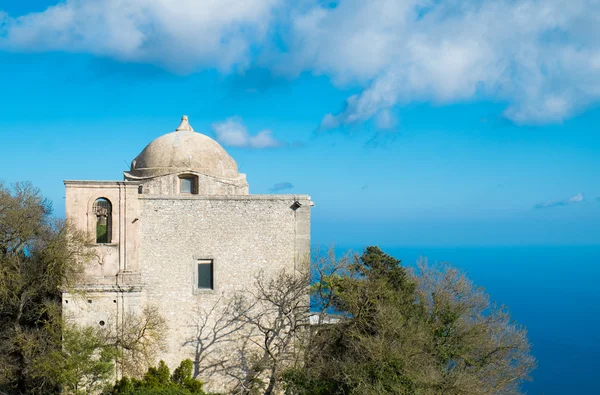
<point>183,151</point>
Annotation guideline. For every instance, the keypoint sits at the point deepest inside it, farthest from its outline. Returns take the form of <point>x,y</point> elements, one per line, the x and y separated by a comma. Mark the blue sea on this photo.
<point>553,291</point>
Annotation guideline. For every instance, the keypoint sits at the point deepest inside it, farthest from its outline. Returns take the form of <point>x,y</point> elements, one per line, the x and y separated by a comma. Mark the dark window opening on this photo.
<point>188,184</point>
<point>205,274</point>
<point>102,209</point>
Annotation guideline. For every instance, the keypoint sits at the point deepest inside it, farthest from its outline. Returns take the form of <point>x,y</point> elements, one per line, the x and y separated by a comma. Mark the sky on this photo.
<point>446,123</point>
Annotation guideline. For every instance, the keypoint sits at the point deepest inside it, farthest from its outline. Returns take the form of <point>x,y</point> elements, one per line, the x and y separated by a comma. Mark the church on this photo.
<point>180,233</point>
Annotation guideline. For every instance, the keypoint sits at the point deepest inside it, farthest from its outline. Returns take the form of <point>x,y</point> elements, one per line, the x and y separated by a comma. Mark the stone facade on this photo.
<point>159,235</point>
<point>210,186</point>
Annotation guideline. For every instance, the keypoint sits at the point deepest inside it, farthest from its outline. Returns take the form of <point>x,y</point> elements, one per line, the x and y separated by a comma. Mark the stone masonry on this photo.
<point>159,234</point>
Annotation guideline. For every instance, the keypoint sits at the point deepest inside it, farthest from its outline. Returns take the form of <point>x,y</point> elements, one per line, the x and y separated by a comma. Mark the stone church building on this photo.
<point>180,233</point>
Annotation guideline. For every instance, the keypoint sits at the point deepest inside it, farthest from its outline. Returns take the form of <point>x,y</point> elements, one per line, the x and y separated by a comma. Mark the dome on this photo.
<point>181,151</point>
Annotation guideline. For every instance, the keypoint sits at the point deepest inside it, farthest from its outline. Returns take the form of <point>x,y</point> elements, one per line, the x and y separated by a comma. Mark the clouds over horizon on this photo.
<point>579,198</point>
<point>540,57</point>
<point>233,133</point>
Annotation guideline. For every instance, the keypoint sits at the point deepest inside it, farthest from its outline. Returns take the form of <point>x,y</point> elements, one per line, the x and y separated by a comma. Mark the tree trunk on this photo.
<point>272,380</point>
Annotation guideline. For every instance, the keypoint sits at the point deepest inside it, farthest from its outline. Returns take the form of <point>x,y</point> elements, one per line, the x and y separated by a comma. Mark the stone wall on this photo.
<point>152,259</point>
<point>206,185</point>
<point>120,254</point>
<point>102,306</point>
<point>245,236</point>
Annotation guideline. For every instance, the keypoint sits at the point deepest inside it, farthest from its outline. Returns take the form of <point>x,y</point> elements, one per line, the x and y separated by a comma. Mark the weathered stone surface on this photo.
<point>206,186</point>
<point>183,151</point>
<point>158,236</point>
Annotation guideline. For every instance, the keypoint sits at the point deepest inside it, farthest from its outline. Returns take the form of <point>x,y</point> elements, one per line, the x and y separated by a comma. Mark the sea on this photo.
<point>551,290</point>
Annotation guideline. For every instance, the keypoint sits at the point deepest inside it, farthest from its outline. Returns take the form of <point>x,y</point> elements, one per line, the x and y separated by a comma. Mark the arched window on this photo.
<point>102,209</point>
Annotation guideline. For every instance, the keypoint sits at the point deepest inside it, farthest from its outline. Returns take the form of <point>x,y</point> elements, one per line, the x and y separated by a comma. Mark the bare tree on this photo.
<point>138,339</point>
<point>260,328</point>
<point>216,328</point>
<point>277,311</point>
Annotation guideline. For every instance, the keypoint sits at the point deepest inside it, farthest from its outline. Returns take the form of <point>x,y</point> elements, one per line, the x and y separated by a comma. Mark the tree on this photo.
<point>138,340</point>
<point>217,328</point>
<point>84,364</point>
<point>40,352</point>
<point>38,257</point>
<point>479,347</point>
<point>427,332</point>
<point>159,381</point>
<point>275,312</point>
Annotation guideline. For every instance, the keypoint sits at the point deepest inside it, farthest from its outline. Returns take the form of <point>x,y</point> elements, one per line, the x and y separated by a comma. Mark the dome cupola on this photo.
<point>183,150</point>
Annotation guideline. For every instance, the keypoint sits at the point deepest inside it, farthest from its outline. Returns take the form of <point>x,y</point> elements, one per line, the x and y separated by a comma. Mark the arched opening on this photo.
<point>102,209</point>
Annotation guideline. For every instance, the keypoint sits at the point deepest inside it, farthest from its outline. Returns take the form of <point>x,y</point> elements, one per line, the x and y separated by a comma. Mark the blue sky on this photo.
<point>409,123</point>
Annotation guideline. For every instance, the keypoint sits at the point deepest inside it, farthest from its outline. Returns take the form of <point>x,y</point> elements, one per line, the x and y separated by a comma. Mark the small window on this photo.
<point>205,274</point>
<point>102,209</point>
<point>188,184</point>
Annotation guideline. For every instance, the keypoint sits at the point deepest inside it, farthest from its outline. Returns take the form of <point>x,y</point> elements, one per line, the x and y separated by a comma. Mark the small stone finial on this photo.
<point>184,125</point>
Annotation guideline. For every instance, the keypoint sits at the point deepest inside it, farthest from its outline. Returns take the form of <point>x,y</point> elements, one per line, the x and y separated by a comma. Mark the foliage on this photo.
<point>101,233</point>
<point>83,365</point>
<point>158,381</point>
<point>429,332</point>
<point>38,257</point>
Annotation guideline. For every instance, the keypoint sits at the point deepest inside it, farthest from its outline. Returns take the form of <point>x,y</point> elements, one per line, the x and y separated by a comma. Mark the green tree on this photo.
<point>84,364</point>
<point>39,353</point>
<point>427,332</point>
<point>38,257</point>
<point>158,381</point>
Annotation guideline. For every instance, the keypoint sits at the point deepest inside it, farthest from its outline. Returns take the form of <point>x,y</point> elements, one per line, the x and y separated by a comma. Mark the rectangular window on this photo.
<point>187,185</point>
<point>205,274</point>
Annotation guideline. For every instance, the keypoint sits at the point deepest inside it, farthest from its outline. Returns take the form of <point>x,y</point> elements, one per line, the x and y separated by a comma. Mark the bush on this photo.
<point>159,381</point>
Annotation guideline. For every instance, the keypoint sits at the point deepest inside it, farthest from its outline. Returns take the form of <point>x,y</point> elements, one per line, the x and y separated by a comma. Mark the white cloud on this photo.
<point>180,35</point>
<point>564,202</point>
<point>233,133</point>
<point>577,198</point>
<point>385,120</point>
<point>540,57</point>
<point>380,96</point>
